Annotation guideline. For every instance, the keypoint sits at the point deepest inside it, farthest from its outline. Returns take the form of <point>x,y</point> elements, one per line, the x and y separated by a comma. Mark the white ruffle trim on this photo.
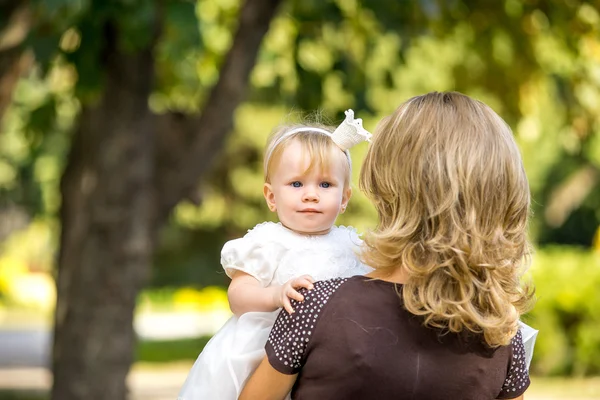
<point>275,232</point>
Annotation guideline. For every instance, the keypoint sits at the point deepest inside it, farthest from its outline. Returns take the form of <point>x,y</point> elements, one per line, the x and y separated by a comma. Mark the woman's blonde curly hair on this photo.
<point>448,183</point>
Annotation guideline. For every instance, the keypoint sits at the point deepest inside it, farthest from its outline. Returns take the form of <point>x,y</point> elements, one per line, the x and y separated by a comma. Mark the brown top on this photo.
<point>352,339</point>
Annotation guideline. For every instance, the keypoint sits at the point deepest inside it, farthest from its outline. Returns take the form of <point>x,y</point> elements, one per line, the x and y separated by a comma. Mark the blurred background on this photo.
<point>131,139</point>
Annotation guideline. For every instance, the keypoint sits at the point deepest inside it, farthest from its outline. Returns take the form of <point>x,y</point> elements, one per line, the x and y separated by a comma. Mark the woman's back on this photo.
<point>353,339</point>
<point>446,177</point>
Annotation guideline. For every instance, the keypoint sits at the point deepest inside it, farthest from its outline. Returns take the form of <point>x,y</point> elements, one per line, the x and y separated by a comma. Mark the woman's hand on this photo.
<point>288,291</point>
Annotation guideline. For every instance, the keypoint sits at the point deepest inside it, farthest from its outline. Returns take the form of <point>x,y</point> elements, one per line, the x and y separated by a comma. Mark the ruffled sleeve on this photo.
<point>257,253</point>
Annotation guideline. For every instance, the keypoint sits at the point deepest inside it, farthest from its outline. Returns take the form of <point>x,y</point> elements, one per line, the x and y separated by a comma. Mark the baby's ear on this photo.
<point>346,197</point>
<point>269,197</point>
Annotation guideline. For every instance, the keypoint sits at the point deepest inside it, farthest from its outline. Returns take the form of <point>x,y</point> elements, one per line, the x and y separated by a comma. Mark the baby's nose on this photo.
<point>310,195</point>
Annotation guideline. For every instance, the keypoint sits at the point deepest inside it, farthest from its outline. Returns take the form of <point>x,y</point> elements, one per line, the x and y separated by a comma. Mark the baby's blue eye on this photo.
<point>296,184</point>
<point>325,185</point>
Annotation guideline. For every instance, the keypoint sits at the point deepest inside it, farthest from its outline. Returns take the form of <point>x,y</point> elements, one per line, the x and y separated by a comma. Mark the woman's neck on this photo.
<point>397,275</point>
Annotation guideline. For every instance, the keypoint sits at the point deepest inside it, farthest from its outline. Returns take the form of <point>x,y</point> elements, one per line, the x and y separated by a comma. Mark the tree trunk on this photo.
<point>114,197</point>
<point>106,241</point>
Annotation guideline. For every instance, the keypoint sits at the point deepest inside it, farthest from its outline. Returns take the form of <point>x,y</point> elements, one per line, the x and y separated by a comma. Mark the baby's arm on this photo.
<point>246,294</point>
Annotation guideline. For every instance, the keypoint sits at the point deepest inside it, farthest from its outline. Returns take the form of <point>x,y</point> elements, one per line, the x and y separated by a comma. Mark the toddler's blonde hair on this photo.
<point>448,183</point>
<point>319,148</point>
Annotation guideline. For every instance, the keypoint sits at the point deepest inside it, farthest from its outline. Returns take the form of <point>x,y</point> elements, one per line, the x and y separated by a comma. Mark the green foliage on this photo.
<point>189,257</point>
<point>51,19</point>
<point>35,140</point>
<point>566,312</point>
<point>198,37</point>
<point>536,63</point>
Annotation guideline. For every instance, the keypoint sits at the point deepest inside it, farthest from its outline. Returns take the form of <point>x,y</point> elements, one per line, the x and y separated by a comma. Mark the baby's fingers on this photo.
<point>292,294</point>
<point>287,306</point>
<point>305,281</point>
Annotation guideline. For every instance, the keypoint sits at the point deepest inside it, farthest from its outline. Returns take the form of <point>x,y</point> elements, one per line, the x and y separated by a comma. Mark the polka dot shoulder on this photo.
<point>291,334</point>
<point>517,378</point>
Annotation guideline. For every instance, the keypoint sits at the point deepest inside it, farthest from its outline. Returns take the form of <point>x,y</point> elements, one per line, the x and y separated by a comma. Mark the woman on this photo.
<point>438,317</point>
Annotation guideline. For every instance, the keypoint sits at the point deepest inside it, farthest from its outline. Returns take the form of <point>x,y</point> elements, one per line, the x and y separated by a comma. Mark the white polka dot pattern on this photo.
<point>291,334</point>
<point>517,379</point>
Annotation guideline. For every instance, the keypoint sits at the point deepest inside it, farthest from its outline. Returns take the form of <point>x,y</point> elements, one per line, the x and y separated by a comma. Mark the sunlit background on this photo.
<point>537,63</point>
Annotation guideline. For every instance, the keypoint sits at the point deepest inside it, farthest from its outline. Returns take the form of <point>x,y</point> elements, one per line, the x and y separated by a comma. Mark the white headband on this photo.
<point>348,134</point>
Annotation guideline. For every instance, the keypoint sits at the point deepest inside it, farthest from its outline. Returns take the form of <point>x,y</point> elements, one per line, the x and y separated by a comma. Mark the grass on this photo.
<point>165,355</point>
<point>155,353</point>
<point>164,351</point>
<point>542,388</point>
<point>564,388</point>
<point>22,395</point>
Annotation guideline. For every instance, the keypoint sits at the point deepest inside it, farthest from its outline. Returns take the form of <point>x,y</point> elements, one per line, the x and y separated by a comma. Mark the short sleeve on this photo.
<point>291,334</point>
<point>255,254</point>
<point>517,378</point>
<point>529,335</point>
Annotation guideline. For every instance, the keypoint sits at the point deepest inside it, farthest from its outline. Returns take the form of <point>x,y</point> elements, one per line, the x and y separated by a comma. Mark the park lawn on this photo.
<point>183,352</point>
<point>563,388</point>
<point>22,395</point>
<point>170,356</point>
<point>165,351</point>
<point>542,388</point>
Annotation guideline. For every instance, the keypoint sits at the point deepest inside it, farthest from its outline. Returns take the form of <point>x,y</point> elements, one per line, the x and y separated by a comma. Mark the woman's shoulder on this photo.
<point>323,291</point>
<point>517,377</point>
<point>324,287</point>
<point>292,333</point>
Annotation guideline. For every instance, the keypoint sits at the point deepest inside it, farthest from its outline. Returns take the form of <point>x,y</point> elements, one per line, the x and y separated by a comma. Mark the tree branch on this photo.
<point>209,130</point>
<point>15,20</point>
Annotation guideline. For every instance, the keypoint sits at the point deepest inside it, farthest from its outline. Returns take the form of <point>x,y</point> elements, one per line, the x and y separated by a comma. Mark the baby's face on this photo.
<point>306,202</point>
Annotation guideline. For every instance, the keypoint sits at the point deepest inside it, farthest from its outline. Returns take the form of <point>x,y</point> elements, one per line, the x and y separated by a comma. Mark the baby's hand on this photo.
<point>288,291</point>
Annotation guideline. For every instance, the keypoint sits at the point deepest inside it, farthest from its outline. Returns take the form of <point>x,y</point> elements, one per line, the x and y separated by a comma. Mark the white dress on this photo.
<point>273,255</point>
<point>529,335</point>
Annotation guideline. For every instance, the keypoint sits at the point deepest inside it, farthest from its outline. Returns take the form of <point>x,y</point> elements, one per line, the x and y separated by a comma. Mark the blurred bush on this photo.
<point>566,313</point>
<point>26,259</point>
<point>185,299</point>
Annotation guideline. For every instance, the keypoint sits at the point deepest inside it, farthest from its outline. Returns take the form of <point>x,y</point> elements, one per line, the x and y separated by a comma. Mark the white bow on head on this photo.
<point>348,134</point>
